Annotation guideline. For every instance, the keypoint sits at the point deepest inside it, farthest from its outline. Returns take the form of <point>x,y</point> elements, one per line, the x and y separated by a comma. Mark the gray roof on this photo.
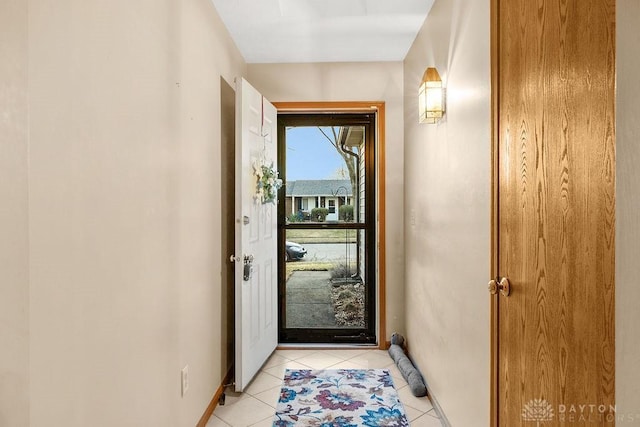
<point>319,187</point>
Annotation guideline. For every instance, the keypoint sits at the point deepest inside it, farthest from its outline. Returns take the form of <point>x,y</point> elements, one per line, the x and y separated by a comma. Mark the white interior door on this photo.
<point>256,290</point>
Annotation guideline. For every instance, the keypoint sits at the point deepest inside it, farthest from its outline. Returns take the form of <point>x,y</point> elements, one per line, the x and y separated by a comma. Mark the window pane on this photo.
<point>325,171</point>
<point>325,280</point>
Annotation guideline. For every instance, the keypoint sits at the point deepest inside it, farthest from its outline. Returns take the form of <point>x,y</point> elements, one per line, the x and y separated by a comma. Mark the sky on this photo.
<point>311,156</point>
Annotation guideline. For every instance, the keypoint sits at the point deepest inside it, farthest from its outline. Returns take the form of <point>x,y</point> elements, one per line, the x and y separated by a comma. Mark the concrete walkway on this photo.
<point>309,300</point>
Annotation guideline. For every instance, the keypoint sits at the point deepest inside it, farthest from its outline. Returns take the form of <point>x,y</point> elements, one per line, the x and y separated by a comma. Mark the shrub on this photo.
<point>345,294</point>
<point>294,218</point>
<point>345,213</point>
<point>342,271</point>
<point>351,308</point>
<point>319,214</point>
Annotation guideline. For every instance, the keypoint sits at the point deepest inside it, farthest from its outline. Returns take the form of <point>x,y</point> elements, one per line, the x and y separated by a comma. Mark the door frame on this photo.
<point>377,107</point>
<point>228,215</point>
<point>495,165</point>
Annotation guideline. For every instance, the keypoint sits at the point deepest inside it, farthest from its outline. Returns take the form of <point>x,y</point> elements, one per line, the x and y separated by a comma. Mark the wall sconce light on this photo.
<point>431,97</point>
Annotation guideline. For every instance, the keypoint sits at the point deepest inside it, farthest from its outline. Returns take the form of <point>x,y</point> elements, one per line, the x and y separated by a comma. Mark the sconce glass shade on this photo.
<point>431,97</point>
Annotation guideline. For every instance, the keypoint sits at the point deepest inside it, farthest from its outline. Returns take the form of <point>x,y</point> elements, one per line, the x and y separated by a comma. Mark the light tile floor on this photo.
<point>256,406</point>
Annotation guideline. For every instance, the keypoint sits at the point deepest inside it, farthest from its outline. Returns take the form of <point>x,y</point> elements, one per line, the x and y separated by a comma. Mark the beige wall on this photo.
<point>119,285</point>
<point>379,81</point>
<point>447,212</point>
<point>14,232</point>
<point>628,210</point>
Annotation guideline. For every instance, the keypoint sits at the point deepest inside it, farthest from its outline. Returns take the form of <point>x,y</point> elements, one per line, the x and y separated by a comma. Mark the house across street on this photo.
<point>304,195</point>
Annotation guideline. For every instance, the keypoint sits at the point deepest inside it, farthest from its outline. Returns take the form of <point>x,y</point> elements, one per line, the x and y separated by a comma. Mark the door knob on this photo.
<point>500,284</point>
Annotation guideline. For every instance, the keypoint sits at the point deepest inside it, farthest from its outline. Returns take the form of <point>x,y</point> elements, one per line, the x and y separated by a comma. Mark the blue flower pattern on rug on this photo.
<point>339,398</point>
<point>287,395</point>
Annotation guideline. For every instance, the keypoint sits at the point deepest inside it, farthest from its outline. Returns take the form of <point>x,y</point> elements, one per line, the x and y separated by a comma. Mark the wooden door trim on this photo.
<point>379,108</point>
<point>495,164</point>
<point>382,265</point>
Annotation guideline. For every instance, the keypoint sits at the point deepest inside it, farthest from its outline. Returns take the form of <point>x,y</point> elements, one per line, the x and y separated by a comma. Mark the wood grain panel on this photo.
<point>556,206</point>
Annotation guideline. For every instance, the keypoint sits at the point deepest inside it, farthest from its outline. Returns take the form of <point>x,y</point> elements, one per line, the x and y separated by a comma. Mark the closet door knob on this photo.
<point>501,284</point>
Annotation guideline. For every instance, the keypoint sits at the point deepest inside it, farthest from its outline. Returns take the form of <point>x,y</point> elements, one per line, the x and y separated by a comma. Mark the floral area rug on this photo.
<point>339,398</point>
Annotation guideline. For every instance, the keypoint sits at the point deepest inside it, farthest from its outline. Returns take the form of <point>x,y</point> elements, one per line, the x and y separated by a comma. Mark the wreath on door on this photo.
<point>268,182</point>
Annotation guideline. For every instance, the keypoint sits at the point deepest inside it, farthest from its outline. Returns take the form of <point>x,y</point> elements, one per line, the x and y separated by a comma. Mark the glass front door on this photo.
<point>326,223</point>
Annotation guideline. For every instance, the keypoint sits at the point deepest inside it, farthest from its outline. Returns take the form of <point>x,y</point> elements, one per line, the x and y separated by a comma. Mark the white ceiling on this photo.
<point>271,31</point>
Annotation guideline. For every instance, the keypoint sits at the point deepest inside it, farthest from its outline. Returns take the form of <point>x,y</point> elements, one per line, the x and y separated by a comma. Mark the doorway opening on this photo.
<point>327,228</point>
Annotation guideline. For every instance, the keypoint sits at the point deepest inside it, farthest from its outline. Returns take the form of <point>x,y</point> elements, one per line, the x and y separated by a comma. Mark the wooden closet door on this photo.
<point>554,73</point>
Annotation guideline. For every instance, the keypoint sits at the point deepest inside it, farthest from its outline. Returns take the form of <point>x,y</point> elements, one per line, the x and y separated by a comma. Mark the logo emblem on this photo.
<point>537,410</point>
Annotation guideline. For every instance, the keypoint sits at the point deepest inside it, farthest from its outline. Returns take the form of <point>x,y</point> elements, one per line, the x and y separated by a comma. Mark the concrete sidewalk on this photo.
<point>309,300</point>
